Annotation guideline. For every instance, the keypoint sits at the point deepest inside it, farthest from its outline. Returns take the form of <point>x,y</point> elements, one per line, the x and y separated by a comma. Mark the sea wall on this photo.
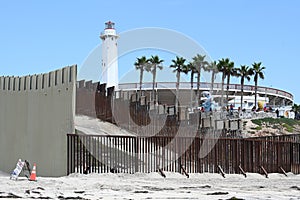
<point>36,113</point>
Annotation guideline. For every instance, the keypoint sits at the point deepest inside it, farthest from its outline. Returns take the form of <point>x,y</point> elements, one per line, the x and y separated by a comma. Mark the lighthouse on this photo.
<point>109,55</point>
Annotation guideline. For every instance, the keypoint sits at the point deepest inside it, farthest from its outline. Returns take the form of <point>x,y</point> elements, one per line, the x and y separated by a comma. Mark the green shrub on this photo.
<point>288,128</point>
<point>258,128</point>
<point>272,121</point>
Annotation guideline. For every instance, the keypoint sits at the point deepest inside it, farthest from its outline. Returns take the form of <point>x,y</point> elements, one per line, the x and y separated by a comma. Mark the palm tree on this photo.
<point>296,109</point>
<point>258,73</point>
<point>155,62</point>
<point>222,64</point>
<point>245,72</point>
<point>141,64</point>
<point>179,67</point>
<point>191,68</point>
<point>199,63</point>
<point>212,67</point>
<point>229,71</point>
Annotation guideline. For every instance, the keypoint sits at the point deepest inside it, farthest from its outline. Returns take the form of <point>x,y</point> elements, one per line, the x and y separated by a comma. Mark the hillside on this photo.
<point>270,127</point>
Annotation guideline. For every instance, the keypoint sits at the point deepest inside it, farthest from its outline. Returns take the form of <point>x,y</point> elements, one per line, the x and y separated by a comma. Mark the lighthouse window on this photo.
<point>112,38</point>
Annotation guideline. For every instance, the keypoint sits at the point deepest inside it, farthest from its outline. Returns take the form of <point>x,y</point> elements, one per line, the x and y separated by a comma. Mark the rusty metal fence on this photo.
<point>287,138</point>
<point>129,154</point>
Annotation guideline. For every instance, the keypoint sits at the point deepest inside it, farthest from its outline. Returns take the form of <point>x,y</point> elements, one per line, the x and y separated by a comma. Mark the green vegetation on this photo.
<point>288,124</point>
<point>258,128</point>
<point>258,73</point>
<point>288,128</point>
<point>194,67</point>
<point>274,121</point>
<point>245,72</point>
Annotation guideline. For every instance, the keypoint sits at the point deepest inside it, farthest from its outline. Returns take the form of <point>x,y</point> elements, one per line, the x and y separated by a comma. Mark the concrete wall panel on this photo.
<point>36,113</point>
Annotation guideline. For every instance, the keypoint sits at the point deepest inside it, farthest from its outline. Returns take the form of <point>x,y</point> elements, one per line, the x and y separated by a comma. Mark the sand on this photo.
<point>153,186</point>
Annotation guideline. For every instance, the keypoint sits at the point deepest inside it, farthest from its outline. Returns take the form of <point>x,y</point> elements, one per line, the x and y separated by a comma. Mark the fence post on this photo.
<point>221,171</point>
<point>136,151</point>
<point>283,171</point>
<point>197,153</point>
<point>291,156</point>
<point>264,171</point>
<point>242,171</point>
<point>184,171</point>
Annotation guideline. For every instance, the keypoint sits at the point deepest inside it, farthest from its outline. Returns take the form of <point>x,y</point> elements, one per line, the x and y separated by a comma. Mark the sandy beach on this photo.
<point>153,186</point>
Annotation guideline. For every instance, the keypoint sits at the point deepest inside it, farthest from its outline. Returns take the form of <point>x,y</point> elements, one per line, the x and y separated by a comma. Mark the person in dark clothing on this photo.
<point>277,112</point>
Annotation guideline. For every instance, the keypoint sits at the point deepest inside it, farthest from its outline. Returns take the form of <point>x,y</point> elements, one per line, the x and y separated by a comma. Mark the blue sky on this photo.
<point>40,36</point>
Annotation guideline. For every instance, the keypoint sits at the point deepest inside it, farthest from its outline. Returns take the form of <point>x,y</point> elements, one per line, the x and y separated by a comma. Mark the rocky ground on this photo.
<point>251,129</point>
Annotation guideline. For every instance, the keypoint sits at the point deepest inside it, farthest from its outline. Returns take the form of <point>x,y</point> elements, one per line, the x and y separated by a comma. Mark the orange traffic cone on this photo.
<point>33,173</point>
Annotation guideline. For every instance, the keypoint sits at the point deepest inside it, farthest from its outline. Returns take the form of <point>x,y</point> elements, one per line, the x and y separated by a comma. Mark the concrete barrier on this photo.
<point>36,113</point>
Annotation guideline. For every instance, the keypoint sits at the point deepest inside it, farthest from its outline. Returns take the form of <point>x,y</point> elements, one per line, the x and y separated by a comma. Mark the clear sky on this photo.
<point>40,36</point>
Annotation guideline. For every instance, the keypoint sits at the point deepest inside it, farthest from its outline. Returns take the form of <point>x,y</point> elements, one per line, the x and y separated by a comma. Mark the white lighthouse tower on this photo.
<point>109,55</point>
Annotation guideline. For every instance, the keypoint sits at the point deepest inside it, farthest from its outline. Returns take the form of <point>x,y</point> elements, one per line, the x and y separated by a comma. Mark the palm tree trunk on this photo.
<point>192,85</point>
<point>255,98</point>
<point>212,82</point>
<point>153,84</point>
<point>198,86</point>
<point>222,89</point>
<point>177,91</point>
<point>141,81</point>
<point>242,91</point>
<point>227,89</point>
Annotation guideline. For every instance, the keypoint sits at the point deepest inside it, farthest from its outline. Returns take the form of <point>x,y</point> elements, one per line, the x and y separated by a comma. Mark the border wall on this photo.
<point>131,112</point>
<point>129,154</point>
<point>36,113</point>
<point>85,98</point>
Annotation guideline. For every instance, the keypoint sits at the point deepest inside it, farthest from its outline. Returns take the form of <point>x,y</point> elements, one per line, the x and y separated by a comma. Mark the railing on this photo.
<point>207,86</point>
<point>127,154</point>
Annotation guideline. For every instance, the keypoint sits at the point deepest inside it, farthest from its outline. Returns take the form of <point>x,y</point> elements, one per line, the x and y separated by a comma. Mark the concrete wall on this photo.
<point>36,113</point>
